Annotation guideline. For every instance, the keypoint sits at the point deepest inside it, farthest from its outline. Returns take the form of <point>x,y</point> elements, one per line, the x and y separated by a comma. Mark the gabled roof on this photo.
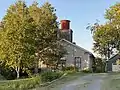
<point>116,56</point>
<point>76,46</point>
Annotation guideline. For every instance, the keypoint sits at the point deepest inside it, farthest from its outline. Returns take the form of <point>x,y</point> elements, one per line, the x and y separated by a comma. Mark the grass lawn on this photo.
<point>19,84</point>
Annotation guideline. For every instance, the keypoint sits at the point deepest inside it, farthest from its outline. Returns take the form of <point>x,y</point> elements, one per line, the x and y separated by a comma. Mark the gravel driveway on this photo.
<point>87,82</point>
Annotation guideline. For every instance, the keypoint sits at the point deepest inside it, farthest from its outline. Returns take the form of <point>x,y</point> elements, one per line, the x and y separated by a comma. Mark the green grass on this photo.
<point>20,84</point>
<point>50,76</point>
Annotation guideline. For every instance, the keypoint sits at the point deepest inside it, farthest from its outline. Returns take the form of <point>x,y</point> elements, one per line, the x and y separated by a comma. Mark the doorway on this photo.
<point>78,62</point>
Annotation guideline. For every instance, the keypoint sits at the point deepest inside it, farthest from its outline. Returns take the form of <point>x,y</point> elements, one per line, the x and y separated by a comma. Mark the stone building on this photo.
<point>113,64</point>
<point>76,55</point>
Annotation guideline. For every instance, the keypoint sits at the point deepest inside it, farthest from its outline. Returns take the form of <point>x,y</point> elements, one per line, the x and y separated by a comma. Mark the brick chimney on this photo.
<point>65,30</point>
<point>65,24</point>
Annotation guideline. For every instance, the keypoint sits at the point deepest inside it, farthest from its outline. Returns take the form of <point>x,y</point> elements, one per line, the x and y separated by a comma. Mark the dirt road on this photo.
<point>87,82</point>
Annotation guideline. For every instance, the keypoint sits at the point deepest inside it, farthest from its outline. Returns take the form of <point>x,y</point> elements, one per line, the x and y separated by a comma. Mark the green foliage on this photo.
<point>70,72</point>
<point>107,36</point>
<point>2,77</point>
<point>100,70</point>
<point>9,74</point>
<point>20,84</point>
<point>70,68</point>
<point>28,34</point>
<point>49,76</point>
<point>44,34</point>
<point>46,31</point>
<point>86,71</point>
<point>15,49</point>
<point>99,65</point>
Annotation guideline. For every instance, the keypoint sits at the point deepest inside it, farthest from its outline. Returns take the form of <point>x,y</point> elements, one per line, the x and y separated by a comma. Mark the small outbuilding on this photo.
<point>113,64</point>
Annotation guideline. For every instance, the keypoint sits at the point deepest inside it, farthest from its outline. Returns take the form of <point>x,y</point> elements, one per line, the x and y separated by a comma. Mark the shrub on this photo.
<point>8,73</point>
<point>70,68</point>
<point>20,84</point>
<point>49,76</point>
<point>86,70</point>
<point>2,77</point>
<point>70,72</point>
<point>99,70</point>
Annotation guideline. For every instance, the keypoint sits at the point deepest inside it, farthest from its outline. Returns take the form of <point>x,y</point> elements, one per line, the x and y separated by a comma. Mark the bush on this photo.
<point>70,72</point>
<point>8,73</point>
<point>70,68</point>
<point>99,70</point>
<point>2,77</point>
<point>20,84</point>
<point>86,71</point>
<point>49,76</point>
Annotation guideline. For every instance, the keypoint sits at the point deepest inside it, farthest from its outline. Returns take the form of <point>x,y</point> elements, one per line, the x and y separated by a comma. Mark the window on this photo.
<point>78,62</point>
<point>86,62</point>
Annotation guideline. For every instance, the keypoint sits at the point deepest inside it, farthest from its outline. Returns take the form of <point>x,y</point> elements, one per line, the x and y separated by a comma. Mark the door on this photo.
<point>78,62</point>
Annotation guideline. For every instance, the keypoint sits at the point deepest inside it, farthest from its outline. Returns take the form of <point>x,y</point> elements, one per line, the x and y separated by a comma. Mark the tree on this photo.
<point>99,65</point>
<point>104,42</point>
<point>107,36</point>
<point>29,35</point>
<point>14,43</point>
<point>53,58</point>
<point>113,16</point>
<point>45,31</point>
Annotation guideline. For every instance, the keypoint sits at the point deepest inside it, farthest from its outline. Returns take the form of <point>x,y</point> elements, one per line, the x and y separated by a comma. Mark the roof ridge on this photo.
<point>114,56</point>
<point>76,45</point>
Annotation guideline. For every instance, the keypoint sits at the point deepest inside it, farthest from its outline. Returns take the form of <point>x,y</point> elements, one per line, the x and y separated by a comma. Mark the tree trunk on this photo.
<point>18,67</point>
<point>18,72</point>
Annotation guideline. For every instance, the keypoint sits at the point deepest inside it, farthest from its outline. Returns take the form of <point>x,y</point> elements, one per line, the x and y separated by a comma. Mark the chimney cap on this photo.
<point>65,20</point>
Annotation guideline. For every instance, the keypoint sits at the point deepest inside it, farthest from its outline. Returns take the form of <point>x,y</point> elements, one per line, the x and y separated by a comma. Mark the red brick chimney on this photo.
<point>65,24</point>
<point>65,30</point>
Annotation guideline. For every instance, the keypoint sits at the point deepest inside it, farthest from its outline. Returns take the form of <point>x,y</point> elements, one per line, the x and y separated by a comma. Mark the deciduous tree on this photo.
<point>107,36</point>
<point>29,34</point>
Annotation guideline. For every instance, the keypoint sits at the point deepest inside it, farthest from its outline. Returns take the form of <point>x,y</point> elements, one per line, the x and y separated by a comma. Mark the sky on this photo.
<point>79,12</point>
